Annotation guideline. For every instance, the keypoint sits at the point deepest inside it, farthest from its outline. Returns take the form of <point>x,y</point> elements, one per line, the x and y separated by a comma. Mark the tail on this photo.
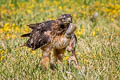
<point>28,44</point>
<point>26,35</point>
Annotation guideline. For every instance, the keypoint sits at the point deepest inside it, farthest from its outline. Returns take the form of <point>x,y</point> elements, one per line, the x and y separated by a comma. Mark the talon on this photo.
<point>75,62</point>
<point>78,67</point>
<point>52,66</point>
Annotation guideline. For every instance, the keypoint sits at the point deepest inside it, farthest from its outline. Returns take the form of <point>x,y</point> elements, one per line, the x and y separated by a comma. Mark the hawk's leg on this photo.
<point>59,53</point>
<point>72,48</point>
<point>46,57</point>
<point>74,59</point>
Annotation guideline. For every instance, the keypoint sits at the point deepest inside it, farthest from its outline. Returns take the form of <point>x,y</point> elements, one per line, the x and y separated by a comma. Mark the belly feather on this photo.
<point>60,42</point>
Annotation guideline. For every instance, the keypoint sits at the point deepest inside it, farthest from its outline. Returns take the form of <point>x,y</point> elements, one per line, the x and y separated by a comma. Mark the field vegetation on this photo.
<point>98,33</point>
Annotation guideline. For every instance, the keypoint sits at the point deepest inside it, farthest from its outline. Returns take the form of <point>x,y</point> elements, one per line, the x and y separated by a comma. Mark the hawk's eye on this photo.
<point>62,26</point>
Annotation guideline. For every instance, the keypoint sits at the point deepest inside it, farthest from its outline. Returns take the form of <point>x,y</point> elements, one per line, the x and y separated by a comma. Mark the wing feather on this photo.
<point>38,38</point>
<point>34,26</point>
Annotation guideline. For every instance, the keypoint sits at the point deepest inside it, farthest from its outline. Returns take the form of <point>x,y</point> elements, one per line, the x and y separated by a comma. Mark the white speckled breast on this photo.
<point>60,42</point>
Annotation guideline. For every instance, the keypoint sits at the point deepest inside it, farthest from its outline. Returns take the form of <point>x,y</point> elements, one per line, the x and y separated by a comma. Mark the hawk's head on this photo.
<point>65,18</point>
<point>65,22</point>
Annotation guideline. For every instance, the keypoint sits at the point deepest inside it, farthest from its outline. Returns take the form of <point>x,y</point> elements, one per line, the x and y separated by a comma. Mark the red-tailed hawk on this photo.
<point>56,35</point>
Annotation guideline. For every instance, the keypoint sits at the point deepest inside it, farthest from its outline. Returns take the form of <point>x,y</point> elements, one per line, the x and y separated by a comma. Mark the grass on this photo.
<point>98,48</point>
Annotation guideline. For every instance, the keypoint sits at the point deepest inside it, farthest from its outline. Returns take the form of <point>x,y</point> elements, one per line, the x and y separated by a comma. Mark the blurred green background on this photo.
<point>98,33</point>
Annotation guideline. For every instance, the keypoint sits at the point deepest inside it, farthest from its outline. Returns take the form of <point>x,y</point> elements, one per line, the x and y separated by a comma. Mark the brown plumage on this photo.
<point>53,34</point>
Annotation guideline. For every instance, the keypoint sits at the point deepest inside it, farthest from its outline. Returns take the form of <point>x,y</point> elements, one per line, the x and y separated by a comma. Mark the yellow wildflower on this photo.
<point>33,52</point>
<point>1,31</point>
<point>13,25</point>
<point>13,36</point>
<point>26,29</point>
<point>29,11</point>
<point>6,25</point>
<point>28,49</point>
<point>80,32</point>
<point>94,56</point>
<point>66,58</point>
<point>97,3</point>
<point>100,54</point>
<point>1,58</point>
<point>6,51</point>
<point>17,29</point>
<point>85,61</point>
<point>60,8</point>
<point>1,52</point>
<point>98,29</point>
<point>14,12</point>
<point>40,54</point>
<point>23,5</point>
<point>7,36</point>
<point>112,19</point>
<point>56,2</point>
<point>93,33</point>
<point>11,5</point>
<point>41,9</point>
<point>4,11</point>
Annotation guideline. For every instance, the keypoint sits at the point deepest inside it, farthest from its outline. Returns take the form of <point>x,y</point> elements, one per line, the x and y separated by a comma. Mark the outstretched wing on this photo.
<point>38,38</point>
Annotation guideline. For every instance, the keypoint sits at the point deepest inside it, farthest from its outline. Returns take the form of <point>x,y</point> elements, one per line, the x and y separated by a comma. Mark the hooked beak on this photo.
<point>69,20</point>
